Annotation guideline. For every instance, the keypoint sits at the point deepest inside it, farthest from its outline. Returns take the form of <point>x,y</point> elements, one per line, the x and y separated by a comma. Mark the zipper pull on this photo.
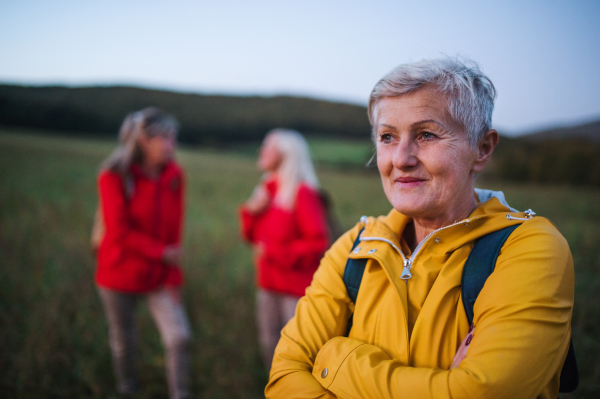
<point>406,270</point>
<point>528,215</point>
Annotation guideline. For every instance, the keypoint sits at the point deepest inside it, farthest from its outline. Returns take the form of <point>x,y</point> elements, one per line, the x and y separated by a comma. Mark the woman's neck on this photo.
<point>151,171</point>
<point>419,228</point>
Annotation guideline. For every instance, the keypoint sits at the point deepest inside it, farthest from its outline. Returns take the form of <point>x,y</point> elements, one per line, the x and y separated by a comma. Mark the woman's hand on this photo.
<point>461,353</point>
<point>258,201</point>
<point>258,250</point>
<point>172,255</point>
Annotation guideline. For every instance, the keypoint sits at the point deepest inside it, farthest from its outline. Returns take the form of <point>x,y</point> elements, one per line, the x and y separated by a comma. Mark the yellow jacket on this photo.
<point>405,333</point>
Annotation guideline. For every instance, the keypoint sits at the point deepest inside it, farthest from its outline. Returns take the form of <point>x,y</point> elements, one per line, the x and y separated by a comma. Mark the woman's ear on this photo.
<point>485,148</point>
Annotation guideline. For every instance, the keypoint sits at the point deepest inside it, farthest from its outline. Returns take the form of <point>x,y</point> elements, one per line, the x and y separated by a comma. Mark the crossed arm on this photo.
<point>119,227</point>
<point>308,216</point>
<point>521,337</point>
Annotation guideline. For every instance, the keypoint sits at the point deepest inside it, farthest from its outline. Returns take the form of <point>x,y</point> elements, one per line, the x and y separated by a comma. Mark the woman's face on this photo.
<point>157,150</point>
<point>269,157</point>
<point>424,158</point>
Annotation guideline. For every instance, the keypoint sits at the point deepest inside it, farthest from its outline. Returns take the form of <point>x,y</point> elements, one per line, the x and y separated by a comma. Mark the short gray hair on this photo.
<point>470,93</point>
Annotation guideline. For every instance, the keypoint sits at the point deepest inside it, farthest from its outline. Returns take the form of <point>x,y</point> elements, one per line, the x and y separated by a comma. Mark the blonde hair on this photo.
<point>150,121</point>
<point>296,165</point>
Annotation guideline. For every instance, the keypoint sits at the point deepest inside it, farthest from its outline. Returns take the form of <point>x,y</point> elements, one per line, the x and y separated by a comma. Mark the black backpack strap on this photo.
<point>569,375</point>
<point>480,264</point>
<point>353,273</point>
<point>478,267</point>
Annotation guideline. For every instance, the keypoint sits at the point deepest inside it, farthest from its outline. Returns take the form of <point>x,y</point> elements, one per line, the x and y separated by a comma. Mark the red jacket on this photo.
<point>137,229</point>
<point>293,241</point>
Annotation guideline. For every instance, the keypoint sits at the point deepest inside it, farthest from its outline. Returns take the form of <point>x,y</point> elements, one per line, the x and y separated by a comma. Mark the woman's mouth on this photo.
<point>408,181</point>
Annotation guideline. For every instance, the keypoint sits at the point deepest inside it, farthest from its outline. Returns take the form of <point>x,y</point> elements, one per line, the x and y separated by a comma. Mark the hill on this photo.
<point>557,156</point>
<point>205,119</point>
<point>588,131</point>
<point>566,155</point>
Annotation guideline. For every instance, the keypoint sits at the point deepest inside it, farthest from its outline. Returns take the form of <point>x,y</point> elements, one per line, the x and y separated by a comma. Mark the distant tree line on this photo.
<point>205,119</point>
<point>558,156</point>
<point>572,161</point>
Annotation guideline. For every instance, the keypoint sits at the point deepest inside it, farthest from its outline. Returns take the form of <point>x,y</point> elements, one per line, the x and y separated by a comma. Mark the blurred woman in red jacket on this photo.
<point>285,221</point>
<point>141,201</point>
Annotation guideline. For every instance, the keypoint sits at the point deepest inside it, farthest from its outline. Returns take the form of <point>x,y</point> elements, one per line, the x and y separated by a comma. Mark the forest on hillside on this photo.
<point>558,156</point>
<point>205,119</point>
<point>568,160</point>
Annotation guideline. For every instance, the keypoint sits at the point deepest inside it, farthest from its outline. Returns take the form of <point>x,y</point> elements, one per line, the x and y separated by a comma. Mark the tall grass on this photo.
<point>53,333</point>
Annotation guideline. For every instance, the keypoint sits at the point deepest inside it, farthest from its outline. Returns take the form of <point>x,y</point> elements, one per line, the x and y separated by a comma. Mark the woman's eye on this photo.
<point>385,137</point>
<point>427,136</point>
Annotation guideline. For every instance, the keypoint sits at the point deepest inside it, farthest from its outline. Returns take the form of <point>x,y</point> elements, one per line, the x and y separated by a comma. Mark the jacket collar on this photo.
<point>271,185</point>
<point>170,170</point>
<point>487,217</point>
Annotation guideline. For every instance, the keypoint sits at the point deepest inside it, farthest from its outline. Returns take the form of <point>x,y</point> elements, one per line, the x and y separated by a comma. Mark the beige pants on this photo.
<point>173,325</point>
<point>273,311</point>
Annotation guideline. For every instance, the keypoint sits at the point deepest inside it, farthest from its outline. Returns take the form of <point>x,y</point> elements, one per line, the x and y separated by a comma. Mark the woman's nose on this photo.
<point>405,155</point>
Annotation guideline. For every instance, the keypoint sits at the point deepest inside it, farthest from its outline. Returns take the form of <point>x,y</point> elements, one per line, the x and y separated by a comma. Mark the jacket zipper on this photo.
<point>156,224</point>
<point>408,262</point>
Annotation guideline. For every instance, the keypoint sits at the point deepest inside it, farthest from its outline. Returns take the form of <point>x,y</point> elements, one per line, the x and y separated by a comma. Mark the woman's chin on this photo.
<point>410,212</point>
<point>410,205</point>
<point>407,197</point>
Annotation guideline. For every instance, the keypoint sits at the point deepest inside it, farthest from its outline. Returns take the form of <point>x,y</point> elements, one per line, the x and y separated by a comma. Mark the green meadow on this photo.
<point>53,333</point>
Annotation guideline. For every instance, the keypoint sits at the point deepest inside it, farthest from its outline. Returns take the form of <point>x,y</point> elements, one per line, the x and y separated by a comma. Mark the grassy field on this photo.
<point>53,339</point>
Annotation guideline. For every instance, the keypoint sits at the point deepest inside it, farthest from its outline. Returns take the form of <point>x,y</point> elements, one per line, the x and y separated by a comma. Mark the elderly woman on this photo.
<point>141,189</point>
<point>285,221</point>
<point>432,129</point>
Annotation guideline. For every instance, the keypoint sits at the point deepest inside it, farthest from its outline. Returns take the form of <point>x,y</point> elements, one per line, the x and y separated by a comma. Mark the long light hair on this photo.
<point>296,165</point>
<point>150,121</point>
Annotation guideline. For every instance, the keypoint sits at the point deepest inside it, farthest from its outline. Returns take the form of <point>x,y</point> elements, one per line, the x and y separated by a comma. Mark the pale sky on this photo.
<point>543,56</point>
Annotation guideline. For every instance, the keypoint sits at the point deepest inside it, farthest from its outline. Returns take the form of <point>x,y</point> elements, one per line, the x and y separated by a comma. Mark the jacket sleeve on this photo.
<point>179,216</point>
<point>320,315</point>
<point>116,220</point>
<point>307,250</point>
<point>522,329</point>
<point>247,223</point>
<point>174,276</point>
